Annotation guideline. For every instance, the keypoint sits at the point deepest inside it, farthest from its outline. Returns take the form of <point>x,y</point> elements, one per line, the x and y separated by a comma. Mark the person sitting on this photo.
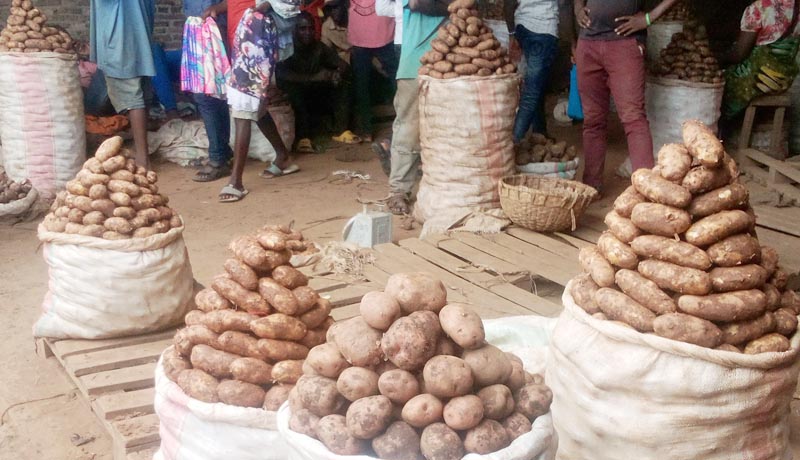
<point>314,74</point>
<point>763,58</point>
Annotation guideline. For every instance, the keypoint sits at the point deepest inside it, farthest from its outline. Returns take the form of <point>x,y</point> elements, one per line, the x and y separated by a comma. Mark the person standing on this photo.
<point>119,34</point>
<point>421,19</point>
<point>389,8</point>
<point>533,32</point>
<point>610,56</point>
<point>371,37</point>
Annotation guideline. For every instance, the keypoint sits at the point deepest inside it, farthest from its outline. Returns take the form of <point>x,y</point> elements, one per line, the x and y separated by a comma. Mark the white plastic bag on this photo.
<point>19,207</point>
<point>42,126</point>
<point>620,394</point>
<point>101,289</point>
<point>196,430</point>
<point>564,169</point>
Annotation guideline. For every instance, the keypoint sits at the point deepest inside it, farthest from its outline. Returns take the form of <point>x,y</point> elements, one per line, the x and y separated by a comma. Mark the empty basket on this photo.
<point>544,204</point>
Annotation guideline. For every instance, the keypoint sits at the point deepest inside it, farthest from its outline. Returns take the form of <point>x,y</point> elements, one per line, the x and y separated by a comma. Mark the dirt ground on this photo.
<point>41,410</point>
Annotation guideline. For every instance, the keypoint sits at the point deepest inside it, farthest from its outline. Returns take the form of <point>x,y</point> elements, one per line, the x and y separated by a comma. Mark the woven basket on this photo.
<point>544,204</point>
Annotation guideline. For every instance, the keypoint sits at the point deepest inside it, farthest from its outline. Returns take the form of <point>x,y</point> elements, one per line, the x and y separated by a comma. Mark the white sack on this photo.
<point>260,147</point>
<point>42,126</point>
<point>620,394</point>
<point>19,207</point>
<point>101,288</point>
<point>658,37</point>
<point>197,430</point>
<point>563,169</point>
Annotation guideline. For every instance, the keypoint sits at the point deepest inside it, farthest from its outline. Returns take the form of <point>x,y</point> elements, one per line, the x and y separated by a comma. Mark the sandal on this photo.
<point>304,146</point>
<point>398,205</point>
<point>211,173</point>
<point>382,150</point>
<point>347,137</point>
<point>274,171</point>
<point>231,194</point>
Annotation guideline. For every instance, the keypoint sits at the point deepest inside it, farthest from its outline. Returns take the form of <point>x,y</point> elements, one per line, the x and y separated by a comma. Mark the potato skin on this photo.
<point>240,296</point>
<point>447,376</point>
<point>279,326</point>
<point>675,278</point>
<point>625,202</point>
<point>770,343</point>
<point>593,263</point>
<point>717,227</point>
<point>786,321</point>
<point>198,385</point>
<point>326,360</point>
<point>368,417</point>
<point>462,325</point>
<point>319,395</point>
<point>279,297</point>
<point>240,343</point>
<point>251,370</point>
<point>735,250</point>
<point>228,320</point>
<point>616,252</point>
<point>728,306</point>
<point>516,425</point>
<point>357,342</point>
<point>173,363</point>
<point>582,289</point>
<point>733,196</point>
<point>701,179</point>
<point>622,227</point>
<point>463,412</point>
<point>276,396</point>
<point>489,365</point>
<point>440,442</point>
<point>533,400</point>
<point>745,331</point>
<point>674,161</point>
<point>644,291</point>
<point>304,422</point>
<point>726,279</point>
<point>659,190</point>
<point>186,338</point>
<point>399,442</point>
<point>241,273</point>
<point>357,382</point>
<point>287,371</point>
<point>498,402</point>
<point>241,394</point>
<point>669,250</point>
<point>489,436</point>
<point>379,309</point>
<point>689,329</point>
<point>416,291</point>
<point>423,410</point>
<point>215,362</point>
<point>407,344</point>
<point>660,219</point>
<point>702,144</point>
<point>398,385</point>
<point>332,431</point>
<point>619,307</point>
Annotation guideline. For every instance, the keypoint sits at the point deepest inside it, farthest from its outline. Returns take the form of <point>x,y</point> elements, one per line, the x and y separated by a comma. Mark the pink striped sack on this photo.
<point>42,126</point>
<point>467,147</point>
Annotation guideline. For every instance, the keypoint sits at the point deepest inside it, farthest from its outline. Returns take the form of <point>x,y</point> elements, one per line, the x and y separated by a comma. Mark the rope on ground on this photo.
<point>22,403</point>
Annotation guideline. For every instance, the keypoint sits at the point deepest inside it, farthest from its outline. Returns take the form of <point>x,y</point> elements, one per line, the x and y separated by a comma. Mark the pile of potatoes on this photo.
<point>536,148</point>
<point>465,46</point>
<point>411,378</point>
<point>246,342</point>
<point>681,258</point>
<point>679,12</point>
<point>492,9</point>
<point>112,198</point>
<point>11,190</point>
<point>27,31</point>
<point>689,57</point>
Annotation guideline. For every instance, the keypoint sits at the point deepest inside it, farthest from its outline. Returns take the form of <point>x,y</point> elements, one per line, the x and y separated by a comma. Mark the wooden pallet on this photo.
<point>116,376</point>
<point>780,176</point>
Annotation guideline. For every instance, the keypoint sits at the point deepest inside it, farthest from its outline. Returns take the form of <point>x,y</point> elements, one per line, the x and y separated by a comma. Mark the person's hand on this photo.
<point>514,50</point>
<point>210,12</point>
<point>630,24</point>
<point>582,16</point>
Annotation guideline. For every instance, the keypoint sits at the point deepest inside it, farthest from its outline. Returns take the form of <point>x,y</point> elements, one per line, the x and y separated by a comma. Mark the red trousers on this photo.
<point>612,68</point>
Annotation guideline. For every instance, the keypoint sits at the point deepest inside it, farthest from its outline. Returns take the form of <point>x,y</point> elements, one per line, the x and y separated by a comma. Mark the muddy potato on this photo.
<point>174,363</point>
<point>593,263</point>
<point>198,385</point>
<point>357,342</point>
<point>279,297</point>
<point>669,250</point>
<point>240,394</point>
<point>719,226</point>
<point>779,279</point>
<point>689,329</point>
<point>241,273</point>
<point>516,425</point>
<point>332,432</point>
<point>423,410</point>
<point>675,278</point>
<point>326,360</point>
<point>463,412</point>
<point>279,327</point>
<point>186,338</point>
<point>769,259</point>
<point>616,252</point>
<point>289,277</point>
<point>314,337</point>
<point>645,292</point>
<point>399,442</point>
<point>728,306</point>
<point>416,291</point>
<point>287,371</point>
<point>240,343</point>
<point>241,297</point>
<point>735,250</point>
<point>251,370</point>
<point>272,239</point>
<point>221,320</point>
<point>660,219</point>
<point>533,400</point>
<point>440,442</point>
<point>618,306</point>
<point>582,289</point>
<point>398,385</point>
<point>317,315</point>
<point>773,297</point>
<point>462,325</point>
<point>733,196</point>
<point>489,365</point>
<point>76,216</point>
<point>488,437</point>
<point>659,190</point>
<point>357,382</point>
<point>741,332</point>
<point>108,148</point>
<point>379,310</point>
<point>725,279</point>
<point>498,402</point>
<point>791,300</point>
<point>622,227</point>
<point>368,417</point>
<point>625,202</point>
<point>448,376</point>
<point>408,343</point>
<point>215,362</point>
<point>702,144</point>
<point>304,422</point>
<point>516,379</point>
<point>701,179</point>
<point>674,161</point>
<point>276,396</point>
<point>319,395</point>
<point>785,322</point>
<point>770,343</point>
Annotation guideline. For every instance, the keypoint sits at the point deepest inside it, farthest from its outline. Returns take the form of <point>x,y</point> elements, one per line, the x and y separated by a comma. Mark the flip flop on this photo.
<point>210,173</point>
<point>274,171</point>
<point>235,194</point>
<point>347,137</point>
<point>304,146</point>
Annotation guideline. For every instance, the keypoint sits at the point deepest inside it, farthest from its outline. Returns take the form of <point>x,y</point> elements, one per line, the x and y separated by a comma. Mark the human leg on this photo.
<point>626,80</point>
<point>127,96</point>
<point>361,62</point>
<point>162,83</point>
<point>389,60</point>
<point>405,145</point>
<point>268,128</point>
<point>240,147</point>
<point>593,87</point>
<point>540,52</point>
<point>216,119</point>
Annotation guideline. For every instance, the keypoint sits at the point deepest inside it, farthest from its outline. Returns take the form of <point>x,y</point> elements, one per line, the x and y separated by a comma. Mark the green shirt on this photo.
<point>119,32</point>
<point>418,32</point>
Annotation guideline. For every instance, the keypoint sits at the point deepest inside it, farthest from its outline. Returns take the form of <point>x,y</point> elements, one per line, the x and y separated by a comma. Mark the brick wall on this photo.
<point>74,16</point>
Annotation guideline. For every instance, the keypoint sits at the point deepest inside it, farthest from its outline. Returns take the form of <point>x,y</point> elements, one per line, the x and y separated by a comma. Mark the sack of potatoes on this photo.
<point>27,31</point>
<point>112,198</point>
<point>11,190</point>
<point>413,377</point>
<point>465,46</point>
<point>247,342</point>
<point>688,57</point>
<point>681,258</point>
<point>536,148</point>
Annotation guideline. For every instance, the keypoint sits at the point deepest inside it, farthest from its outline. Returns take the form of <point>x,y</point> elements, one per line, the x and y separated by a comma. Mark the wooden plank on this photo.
<point>346,311</point>
<point>143,454</point>
<point>475,295</point>
<point>350,294</point>
<point>136,431</point>
<point>546,242</point>
<point>786,245</point>
<point>115,405</point>
<point>574,240</point>
<point>321,284</point>
<point>479,259</point>
<point>115,358</point>
<point>43,348</point>
<point>786,220</point>
<point>781,167</point>
<point>124,379</point>
<point>529,302</point>
<point>65,348</point>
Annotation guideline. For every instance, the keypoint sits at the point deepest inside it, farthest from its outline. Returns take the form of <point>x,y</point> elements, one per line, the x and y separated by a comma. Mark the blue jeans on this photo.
<point>217,121</point>
<point>540,51</point>
<point>168,70</point>
<point>361,62</point>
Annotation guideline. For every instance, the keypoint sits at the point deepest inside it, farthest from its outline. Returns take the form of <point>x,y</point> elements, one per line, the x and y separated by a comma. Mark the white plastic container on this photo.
<point>368,228</point>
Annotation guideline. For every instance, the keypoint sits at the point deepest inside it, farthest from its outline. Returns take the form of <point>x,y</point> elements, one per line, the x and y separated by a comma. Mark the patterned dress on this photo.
<point>254,53</point>
<point>204,63</point>
<point>769,19</point>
